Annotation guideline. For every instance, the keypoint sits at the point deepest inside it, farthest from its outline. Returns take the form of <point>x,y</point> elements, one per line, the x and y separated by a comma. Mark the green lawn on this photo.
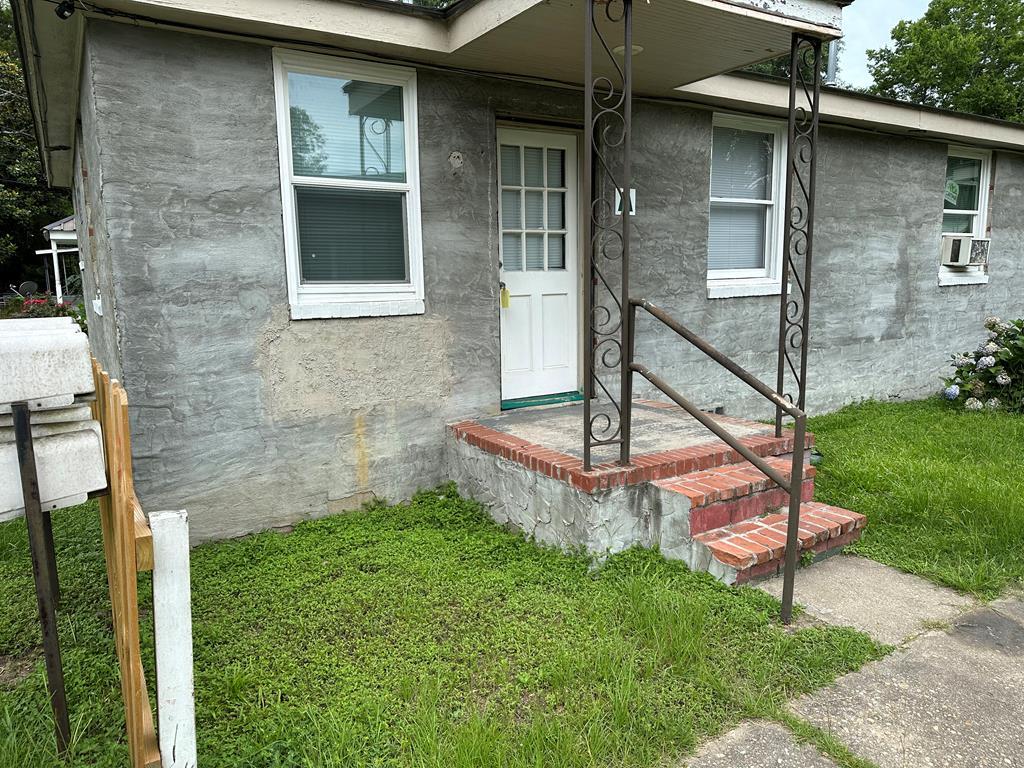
<point>943,488</point>
<point>422,635</point>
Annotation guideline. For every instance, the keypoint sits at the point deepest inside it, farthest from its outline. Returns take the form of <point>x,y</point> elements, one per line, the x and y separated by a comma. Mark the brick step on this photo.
<point>644,467</point>
<point>734,492</point>
<point>756,548</point>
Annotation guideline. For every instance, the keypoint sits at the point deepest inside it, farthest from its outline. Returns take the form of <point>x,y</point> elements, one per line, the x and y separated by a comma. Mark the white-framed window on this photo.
<point>747,215</point>
<point>965,197</point>
<point>350,186</point>
<point>965,206</point>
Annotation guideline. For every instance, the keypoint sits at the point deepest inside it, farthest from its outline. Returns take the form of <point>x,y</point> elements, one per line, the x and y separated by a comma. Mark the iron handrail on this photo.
<point>794,486</point>
<point>712,425</point>
<point>734,368</point>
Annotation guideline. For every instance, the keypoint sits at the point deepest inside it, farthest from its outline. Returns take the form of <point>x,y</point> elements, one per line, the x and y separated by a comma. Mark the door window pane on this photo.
<point>533,166</point>
<point>556,210</point>
<point>741,164</point>
<point>556,251</point>
<point>736,237</point>
<point>556,167</point>
<point>963,184</point>
<point>351,235</point>
<point>346,129</point>
<point>511,175</point>
<point>535,210</point>
<point>534,252</point>
<point>511,215</point>
<point>512,252</point>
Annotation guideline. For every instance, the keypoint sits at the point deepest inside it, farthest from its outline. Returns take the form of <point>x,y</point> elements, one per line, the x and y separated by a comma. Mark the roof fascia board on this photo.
<point>816,22</point>
<point>318,19</point>
<point>482,17</point>
<point>743,94</point>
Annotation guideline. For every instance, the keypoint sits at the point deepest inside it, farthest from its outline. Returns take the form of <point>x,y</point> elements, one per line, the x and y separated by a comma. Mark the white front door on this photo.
<point>538,220</point>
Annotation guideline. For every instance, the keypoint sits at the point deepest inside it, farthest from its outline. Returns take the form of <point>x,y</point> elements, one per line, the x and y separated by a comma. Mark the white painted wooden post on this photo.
<point>56,271</point>
<point>172,620</point>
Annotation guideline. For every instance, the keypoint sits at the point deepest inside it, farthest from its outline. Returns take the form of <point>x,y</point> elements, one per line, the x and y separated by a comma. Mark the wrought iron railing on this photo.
<point>609,310</point>
<point>793,486</point>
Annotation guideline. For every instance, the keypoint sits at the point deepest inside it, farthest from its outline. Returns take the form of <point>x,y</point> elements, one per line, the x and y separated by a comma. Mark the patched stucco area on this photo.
<point>328,366</point>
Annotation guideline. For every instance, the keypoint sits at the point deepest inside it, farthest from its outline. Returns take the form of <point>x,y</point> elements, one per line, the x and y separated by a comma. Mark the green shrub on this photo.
<point>992,376</point>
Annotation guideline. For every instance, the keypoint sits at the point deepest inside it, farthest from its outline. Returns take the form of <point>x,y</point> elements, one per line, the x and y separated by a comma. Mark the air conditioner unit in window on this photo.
<point>956,250</point>
<point>979,251</point>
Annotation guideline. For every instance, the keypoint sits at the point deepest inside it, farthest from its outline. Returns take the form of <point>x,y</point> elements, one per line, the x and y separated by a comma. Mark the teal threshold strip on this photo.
<point>530,402</point>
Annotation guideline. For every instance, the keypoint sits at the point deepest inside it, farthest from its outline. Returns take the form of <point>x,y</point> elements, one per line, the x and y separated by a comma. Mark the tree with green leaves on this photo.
<point>966,55</point>
<point>26,204</point>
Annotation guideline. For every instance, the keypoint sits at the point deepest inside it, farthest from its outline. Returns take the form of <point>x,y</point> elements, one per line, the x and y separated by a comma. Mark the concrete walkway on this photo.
<point>950,696</point>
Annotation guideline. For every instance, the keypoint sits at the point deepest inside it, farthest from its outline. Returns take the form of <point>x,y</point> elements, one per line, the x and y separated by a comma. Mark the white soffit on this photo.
<point>751,94</point>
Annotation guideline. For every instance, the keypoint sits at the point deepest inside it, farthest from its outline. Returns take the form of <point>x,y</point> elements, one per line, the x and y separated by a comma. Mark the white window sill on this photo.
<point>321,310</point>
<point>969,277</point>
<point>728,289</point>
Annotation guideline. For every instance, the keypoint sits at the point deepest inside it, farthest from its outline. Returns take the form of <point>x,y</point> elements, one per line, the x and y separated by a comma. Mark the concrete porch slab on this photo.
<point>757,744</point>
<point>887,604</point>
<point>657,428</point>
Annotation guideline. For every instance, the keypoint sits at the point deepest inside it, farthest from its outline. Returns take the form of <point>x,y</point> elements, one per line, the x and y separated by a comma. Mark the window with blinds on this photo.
<point>965,193</point>
<point>743,201</point>
<point>350,187</point>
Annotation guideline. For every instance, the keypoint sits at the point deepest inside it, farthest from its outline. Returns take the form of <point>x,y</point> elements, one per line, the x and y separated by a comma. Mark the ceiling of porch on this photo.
<point>683,41</point>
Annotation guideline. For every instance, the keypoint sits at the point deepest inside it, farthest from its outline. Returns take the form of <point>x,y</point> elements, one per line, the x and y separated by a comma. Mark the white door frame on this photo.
<point>557,379</point>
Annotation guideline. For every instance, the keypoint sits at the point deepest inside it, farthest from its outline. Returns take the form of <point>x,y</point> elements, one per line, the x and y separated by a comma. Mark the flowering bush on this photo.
<point>992,376</point>
<point>43,305</point>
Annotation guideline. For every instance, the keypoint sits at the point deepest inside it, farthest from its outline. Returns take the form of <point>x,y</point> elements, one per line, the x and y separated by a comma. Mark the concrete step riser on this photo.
<point>712,516</point>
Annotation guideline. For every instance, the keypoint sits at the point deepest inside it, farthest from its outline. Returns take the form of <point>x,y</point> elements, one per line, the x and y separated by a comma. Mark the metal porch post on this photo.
<point>798,243</point>
<point>798,249</point>
<point>607,132</point>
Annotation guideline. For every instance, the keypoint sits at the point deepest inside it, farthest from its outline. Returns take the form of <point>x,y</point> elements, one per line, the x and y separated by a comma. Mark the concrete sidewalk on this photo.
<point>950,696</point>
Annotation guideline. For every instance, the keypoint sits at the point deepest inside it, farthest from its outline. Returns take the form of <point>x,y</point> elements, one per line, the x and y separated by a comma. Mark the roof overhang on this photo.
<point>770,96</point>
<point>683,40</point>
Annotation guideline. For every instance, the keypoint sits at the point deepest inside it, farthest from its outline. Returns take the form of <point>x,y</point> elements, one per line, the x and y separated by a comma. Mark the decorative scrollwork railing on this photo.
<point>606,182</point>
<point>794,311</point>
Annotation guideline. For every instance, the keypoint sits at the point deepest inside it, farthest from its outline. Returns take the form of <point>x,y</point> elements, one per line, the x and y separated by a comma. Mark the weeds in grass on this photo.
<point>423,635</point>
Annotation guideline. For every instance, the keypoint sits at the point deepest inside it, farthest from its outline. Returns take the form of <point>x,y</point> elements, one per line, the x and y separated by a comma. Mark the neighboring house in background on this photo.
<point>63,239</point>
<point>297,221</point>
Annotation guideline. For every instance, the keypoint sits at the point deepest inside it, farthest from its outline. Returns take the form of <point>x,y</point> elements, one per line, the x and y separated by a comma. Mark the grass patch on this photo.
<point>942,488</point>
<point>422,635</point>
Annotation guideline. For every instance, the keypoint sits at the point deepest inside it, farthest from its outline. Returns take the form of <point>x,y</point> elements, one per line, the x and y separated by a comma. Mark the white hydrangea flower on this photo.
<point>1003,380</point>
<point>992,322</point>
<point>959,361</point>
<point>973,404</point>
<point>991,348</point>
<point>986,362</point>
<point>992,403</point>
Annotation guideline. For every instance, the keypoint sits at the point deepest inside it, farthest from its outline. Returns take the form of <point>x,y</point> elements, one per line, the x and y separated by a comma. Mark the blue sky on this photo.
<point>866,24</point>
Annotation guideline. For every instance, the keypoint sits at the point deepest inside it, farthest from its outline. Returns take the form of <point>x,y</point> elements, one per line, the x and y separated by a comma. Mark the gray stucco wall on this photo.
<point>91,226</point>
<point>881,326</point>
<point>250,420</point>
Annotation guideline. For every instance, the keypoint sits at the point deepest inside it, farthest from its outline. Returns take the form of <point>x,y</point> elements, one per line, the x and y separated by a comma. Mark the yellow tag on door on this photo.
<point>506,298</point>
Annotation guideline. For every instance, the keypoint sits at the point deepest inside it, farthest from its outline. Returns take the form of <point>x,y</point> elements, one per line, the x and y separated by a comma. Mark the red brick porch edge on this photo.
<point>645,467</point>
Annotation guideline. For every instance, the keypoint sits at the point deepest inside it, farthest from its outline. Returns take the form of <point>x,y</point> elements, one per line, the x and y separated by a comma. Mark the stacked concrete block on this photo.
<point>47,364</point>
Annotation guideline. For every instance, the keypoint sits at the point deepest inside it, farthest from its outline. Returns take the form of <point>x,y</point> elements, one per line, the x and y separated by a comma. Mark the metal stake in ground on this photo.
<point>44,571</point>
